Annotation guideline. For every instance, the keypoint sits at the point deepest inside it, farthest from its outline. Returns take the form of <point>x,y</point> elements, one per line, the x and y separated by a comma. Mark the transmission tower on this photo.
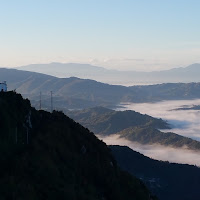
<point>51,101</point>
<point>40,100</point>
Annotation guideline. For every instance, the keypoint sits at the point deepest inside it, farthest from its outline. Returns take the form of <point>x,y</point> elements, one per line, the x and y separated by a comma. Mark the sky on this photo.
<point>117,34</point>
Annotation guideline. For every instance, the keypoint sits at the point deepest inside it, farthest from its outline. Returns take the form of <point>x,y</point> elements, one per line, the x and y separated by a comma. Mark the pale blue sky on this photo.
<point>121,34</point>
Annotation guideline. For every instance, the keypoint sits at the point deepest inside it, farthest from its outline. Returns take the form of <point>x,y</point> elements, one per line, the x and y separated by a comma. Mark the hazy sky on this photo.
<point>120,34</point>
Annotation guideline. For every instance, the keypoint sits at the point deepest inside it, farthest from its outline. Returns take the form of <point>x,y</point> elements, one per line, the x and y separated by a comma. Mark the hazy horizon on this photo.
<point>67,66</point>
<point>124,35</point>
<point>104,67</point>
<point>115,76</point>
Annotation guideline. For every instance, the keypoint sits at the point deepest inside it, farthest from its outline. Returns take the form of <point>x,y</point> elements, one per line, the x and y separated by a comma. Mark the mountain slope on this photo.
<point>132,126</point>
<point>166,180</point>
<point>49,156</point>
<point>149,135</point>
<point>69,93</point>
<point>106,121</point>
<point>168,91</point>
<point>76,93</point>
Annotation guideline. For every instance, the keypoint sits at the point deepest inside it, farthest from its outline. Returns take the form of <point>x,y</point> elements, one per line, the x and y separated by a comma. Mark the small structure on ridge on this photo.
<point>3,87</point>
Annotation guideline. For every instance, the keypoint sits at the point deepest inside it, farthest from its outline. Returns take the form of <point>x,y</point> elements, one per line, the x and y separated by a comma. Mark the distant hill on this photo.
<point>106,121</point>
<point>69,92</point>
<point>76,93</point>
<point>167,91</point>
<point>149,135</point>
<point>132,126</point>
<point>166,180</point>
<point>194,107</point>
<point>49,156</point>
<point>64,70</point>
<point>86,71</point>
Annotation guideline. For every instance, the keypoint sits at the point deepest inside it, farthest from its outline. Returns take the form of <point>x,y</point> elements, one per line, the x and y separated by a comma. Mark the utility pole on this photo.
<point>40,100</point>
<point>51,101</point>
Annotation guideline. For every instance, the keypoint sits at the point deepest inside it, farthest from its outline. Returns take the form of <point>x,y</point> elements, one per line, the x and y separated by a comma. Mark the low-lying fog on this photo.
<point>183,122</point>
<point>157,152</point>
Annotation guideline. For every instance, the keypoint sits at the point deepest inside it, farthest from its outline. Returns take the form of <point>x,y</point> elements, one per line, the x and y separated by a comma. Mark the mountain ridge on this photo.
<point>49,156</point>
<point>174,75</point>
<point>77,93</point>
<point>166,180</point>
<point>132,126</point>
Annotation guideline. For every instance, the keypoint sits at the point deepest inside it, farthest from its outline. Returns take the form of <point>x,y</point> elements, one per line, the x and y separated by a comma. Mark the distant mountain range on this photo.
<point>166,180</point>
<point>194,107</point>
<point>76,93</point>
<point>86,71</point>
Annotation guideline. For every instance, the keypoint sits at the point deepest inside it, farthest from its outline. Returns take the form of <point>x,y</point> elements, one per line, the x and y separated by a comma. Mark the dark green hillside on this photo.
<point>59,159</point>
<point>146,135</point>
<point>105,121</point>
<point>132,126</point>
<point>166,180</point>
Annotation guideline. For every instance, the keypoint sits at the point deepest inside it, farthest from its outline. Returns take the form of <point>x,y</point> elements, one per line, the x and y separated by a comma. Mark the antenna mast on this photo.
<point>51,101</point>
<point>40,100</point>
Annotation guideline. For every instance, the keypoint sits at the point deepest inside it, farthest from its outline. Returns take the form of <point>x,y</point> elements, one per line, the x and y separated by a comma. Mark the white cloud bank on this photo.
<point>183,122</point>
<point>157,152</point>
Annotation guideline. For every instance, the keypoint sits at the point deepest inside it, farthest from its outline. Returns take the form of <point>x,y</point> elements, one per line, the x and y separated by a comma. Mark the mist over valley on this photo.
<point>182,121</point>
<point>156,151</point>
<point>99,100</point>
<point>160,101</point>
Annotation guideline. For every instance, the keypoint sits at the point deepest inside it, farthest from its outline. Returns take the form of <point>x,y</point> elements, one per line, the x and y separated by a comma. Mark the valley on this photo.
<point>158,101</point>
<point>184,122</point>
<point>99,100</point>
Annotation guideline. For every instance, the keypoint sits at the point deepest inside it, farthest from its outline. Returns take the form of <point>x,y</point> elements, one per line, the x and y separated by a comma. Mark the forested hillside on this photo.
<point>166,180</point>
<point>132,126</point>
<point>105,121</point>
<point>49,156</point>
